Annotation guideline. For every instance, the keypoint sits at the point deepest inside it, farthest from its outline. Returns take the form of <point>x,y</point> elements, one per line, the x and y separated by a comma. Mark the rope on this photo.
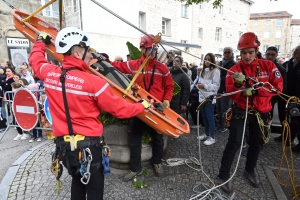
<point>286,137</point>
<point>137,74</point>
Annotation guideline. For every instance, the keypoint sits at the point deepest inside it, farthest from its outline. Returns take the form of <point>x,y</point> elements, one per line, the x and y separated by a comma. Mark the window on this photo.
<point>221,9</point>
<point>278,47</point>
<point>218,34</point>
<point>51,10</point>
<point>265,47</point>
<point>268,22</point>
<point>142,21</point>
<point>200,5</point>
<point>166,27</point>
<point>267,34</point>
<point>279,22</point>
<point>255,22</point>
<point>278,33</point>
<point>184,11</point>
<point>183,41</point>
<point>200,33</point>
<point>74,5</point>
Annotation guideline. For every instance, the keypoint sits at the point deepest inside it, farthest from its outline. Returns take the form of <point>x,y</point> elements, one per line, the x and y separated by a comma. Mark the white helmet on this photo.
<point>68,37</point>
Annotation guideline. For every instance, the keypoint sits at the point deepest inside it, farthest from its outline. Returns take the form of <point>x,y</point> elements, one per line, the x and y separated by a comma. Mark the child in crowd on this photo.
<point>21,135</point>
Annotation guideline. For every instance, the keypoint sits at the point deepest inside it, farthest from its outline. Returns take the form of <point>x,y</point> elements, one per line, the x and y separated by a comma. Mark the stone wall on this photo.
<point>7,28</point>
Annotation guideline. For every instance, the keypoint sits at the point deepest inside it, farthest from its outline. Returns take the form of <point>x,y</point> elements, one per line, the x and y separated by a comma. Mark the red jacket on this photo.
<point>163,85</point>
<point>268,73</point>
<point>86,95</point>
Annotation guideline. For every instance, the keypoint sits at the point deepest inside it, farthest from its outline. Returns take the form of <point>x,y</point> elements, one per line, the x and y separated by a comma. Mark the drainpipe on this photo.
<point>79,14</point>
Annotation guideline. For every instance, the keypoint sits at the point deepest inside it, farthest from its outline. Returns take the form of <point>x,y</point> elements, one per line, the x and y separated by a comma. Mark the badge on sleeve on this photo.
<point>277,74</point>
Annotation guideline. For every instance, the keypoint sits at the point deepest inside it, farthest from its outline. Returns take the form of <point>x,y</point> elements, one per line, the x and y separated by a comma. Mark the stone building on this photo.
<point>272,29</point>
<point>197,29</point>
<point>295,33</point>
<point>12,41</point>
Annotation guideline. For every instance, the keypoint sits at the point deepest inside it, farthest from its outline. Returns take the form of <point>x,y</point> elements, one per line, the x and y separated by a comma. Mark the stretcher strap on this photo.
<point>137,74</point>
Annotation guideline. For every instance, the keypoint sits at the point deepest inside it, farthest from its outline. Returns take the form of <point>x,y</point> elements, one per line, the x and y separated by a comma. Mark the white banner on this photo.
<point>17,42</point>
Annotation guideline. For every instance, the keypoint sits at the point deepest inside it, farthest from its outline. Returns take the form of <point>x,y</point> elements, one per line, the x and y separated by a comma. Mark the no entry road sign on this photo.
<point>25,108</point>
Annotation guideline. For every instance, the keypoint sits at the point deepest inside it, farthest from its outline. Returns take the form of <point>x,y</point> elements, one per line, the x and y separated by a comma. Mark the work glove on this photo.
<point>249,92</point>
<point>167,103</point>
<point>145,103</point>
<point>239,79</point>
<point>44,37</point>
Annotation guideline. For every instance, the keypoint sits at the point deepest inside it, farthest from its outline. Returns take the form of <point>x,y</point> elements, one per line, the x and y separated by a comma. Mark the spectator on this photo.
<point>128,57</point>
<point>170,57</point>
<point>2,74</point>
<point>238,59</point>
<point>293,89</point>
<point>156,80</point>
<point>271,55</point>
<point>259,102</point>
<point>179,101</point>
<point>194,102</point>
<point>209,83</point>
<point>189,72</point>
<point>26,74</point>
<point>280,61</point>
<point>193,69</point>
<point>2,65</point>
<point>6,87</point>
<point>224,103</point>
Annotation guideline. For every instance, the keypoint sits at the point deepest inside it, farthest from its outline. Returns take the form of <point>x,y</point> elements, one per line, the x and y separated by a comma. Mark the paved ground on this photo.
<point>29,176</point>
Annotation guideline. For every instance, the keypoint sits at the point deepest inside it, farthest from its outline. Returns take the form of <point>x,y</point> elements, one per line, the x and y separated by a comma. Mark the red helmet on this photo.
<point>146,41</point>
<point>248,40</point>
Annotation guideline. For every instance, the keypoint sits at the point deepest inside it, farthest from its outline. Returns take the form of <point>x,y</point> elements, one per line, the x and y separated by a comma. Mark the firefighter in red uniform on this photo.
<point>156,79</point>
<point>258,103</point>
<point>86,94</point>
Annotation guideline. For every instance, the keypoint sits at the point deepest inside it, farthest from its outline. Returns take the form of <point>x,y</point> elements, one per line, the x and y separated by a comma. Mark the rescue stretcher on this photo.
<point>164,121</point>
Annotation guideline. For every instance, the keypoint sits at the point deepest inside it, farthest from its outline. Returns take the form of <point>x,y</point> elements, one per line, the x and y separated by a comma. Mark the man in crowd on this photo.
<point>156,79</point>
<point>170,57</point>
<point>75,105</point>
<point>293,89</point>
<point>224,103</point>
<point>258,102</point>
<point>271,55</point>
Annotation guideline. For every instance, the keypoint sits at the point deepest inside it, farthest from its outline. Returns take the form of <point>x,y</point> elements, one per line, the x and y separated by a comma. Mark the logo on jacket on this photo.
<point>277,74</point>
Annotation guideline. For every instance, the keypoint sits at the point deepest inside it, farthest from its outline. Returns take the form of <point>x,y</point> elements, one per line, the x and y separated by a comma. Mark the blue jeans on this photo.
<point>208,119</point>
<point>3,111</point>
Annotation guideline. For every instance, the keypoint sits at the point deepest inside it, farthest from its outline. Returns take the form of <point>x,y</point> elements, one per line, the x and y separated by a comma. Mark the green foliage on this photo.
<point>216,3</point>
<point>108,119</point>
<point>146,138</point>
<point>139,184</point>
<point>134,52</point>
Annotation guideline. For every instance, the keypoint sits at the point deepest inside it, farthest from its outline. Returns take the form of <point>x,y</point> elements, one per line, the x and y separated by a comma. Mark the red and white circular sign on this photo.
<point>25,108</point>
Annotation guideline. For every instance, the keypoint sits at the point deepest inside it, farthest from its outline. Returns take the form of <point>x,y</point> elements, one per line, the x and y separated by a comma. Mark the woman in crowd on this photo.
<point>179,101</point>
<point>209,83</point>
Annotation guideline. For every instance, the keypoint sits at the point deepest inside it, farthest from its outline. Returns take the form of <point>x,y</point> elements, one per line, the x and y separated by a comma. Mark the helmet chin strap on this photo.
<point>85,51</point>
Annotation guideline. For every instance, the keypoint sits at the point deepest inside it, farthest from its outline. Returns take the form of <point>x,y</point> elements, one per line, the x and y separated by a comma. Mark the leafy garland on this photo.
<point>108,119</point>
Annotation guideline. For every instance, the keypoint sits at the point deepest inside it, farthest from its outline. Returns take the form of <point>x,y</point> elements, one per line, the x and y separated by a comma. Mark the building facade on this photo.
<point>295,33</point>
<point>13,45</point>
<point>272,29</point>
<point>197,29</point>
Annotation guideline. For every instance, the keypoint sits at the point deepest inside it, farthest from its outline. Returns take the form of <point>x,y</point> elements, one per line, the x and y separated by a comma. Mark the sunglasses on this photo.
<point>270,54</point>
<point>227,52</point>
